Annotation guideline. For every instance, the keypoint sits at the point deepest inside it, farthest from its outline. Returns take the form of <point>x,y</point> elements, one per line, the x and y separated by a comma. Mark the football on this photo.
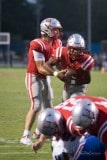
<point>70,72</point>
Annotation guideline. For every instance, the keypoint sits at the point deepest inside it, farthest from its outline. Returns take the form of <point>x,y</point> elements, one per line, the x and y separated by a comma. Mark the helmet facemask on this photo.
<point>75,53</point>
<point>75,46</point>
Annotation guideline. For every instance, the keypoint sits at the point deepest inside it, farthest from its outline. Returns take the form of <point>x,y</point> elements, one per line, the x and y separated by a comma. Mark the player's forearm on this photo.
<point>37,145</point>
<point>86,79</point>
<point>49,65</point>
<point>49,68</point>
<point>43,70</point>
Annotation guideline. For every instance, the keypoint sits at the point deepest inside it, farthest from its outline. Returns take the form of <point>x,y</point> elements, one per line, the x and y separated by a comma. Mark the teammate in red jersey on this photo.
<point>85,113</point>
<point>81,114</point>
<point>90,114</point>
<point>56,42</point>
<point>78,63</point>
<point>38,87</point>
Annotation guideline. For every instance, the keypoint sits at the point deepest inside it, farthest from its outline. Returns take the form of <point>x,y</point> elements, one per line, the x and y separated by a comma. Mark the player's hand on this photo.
<point>70,72</point>
<point>61,75</point>
<point>36,146</point>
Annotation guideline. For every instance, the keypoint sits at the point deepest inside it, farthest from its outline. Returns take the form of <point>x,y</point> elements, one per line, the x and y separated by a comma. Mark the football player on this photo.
<point>85,113</point>
<point>66,146</point>
<point>78,64</point>
<point>90,114</point>
<point>37,85</point>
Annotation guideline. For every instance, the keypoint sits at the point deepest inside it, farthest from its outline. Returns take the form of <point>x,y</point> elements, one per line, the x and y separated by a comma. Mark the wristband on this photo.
<point>55,73</point>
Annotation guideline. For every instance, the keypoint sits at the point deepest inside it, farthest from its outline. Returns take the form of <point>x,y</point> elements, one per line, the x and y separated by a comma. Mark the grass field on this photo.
<point>14,105</point>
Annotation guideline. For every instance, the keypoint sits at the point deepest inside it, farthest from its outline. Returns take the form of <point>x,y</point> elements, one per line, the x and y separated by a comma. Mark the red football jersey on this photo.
<point>56,43</point>
<point>43,47</point>
<point>99,129</point>
<point>82,63</point>
<point>61,55</point>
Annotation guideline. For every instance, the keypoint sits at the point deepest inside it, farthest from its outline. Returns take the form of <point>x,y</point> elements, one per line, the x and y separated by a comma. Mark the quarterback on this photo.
<point>37,85</point>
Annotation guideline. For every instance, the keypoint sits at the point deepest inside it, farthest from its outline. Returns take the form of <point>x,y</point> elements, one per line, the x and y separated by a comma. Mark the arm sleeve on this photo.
<point>38,56</point>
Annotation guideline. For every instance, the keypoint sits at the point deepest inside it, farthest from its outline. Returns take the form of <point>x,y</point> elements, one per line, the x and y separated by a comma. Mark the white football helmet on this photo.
<point>84,113</point>
<point>76,41</point>
<point>50,122</point>
<point>47,26</point>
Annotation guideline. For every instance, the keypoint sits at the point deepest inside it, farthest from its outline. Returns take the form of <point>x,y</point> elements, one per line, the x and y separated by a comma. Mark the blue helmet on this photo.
<point>93,149</point>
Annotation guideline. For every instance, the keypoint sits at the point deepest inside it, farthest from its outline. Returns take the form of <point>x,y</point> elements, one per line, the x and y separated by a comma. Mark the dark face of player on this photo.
<point>74,53</point>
